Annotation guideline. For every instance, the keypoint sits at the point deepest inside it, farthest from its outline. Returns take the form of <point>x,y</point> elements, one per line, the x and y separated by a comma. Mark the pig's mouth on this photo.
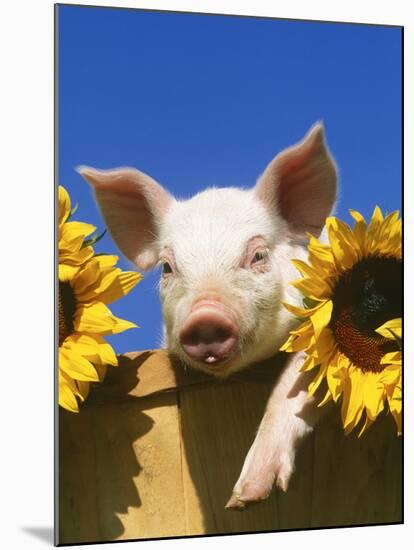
<point>209,338</point>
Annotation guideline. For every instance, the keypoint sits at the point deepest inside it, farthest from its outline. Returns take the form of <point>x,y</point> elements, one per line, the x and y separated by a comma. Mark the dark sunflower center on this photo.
<point>67,309</point>
<point>365,297</point>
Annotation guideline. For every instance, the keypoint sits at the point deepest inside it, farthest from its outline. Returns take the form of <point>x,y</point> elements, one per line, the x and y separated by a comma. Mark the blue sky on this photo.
<point>196,100</point>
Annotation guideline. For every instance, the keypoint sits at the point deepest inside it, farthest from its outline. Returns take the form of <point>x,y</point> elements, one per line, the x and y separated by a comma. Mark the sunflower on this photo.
<point>86,285</point>
<point>351,329</point>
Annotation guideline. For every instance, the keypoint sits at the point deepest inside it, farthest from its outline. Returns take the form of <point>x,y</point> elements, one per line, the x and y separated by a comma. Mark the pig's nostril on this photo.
<point>222,334</point>
<point>191,338</point>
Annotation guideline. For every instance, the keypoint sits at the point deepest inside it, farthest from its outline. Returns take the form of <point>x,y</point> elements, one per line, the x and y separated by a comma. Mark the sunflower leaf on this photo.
<point>74,209</point>
<point>93,240</point>
<point>397,338</point>
<point>309,303</point>
<point>71,212</point>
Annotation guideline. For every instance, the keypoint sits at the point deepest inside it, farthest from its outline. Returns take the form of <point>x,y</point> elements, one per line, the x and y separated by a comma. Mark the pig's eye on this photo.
<point>260,256</point>
<point>256,255</point>
<point>259,261</point>
<point>166,268</point>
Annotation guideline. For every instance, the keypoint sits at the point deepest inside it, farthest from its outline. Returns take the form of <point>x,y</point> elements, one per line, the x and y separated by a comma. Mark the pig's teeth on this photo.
<point>210,359</point>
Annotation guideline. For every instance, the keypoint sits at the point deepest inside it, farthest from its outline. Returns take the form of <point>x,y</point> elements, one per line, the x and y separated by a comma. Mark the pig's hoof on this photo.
<point>257,484</point>
<point>235,503</point>
<point>239,503</point>
<point>250,493</point>
<point>282,482</point>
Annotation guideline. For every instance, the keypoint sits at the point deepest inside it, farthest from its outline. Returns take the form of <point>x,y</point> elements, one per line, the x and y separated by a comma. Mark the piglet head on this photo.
<point>224,253</point>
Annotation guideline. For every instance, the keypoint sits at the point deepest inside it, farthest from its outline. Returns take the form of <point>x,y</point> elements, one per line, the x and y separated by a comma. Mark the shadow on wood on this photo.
<point>156,450</point>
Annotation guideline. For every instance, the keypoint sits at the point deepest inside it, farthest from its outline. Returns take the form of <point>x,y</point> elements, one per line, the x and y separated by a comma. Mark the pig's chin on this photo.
<point>220,368</point>
<point>239,359</point>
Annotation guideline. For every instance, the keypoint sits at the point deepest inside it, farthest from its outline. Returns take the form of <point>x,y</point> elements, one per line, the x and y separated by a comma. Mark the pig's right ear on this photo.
<point>300,183</point>
<point>133,206</point>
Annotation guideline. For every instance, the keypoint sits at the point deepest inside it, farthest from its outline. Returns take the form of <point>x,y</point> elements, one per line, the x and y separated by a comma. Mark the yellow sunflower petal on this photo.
<point>76,257</point>
<point>390,375</point>
<point>392,358</point>
<point>320,319</point>
<point>395,233</point>
<point>94,348</point>
<point>308,364</point>
<point>344,245</point>
<point>313,289</point>
<point>388,329</point>
<point>66,272</point>
<point>325,346</point>
<point>106,352</point>
<point>373,229</point>
<point>114,285</point>
<point>366,425</point>
<point>303,312</point>
<point>304,328</point>
<point>106,260</point>
<point>352,404</point>
<point>308,270</point>
<point>389,227</point>
<point>82,344</point>
<point>98,319</point>
<point>101,371</point>
<point>286,346</point>
<point>74,365</point>
<point>322,252</point>
<point>83,388</point>
<point>87,276</point>
<point>316,382</point>
<point>321,259</point>
<point>326,399</point>
<point>100,281</point>
<point>355,421</point>
<point>73,234</point>
<point>360,229</point>
<point>358,217</point>
<point>64,205</point>
<point>373,395</point>
<point>120,287</point>
<point>395,405</point>
<point>335,382</point>
<point>67,398</point>
<point>299,341</point>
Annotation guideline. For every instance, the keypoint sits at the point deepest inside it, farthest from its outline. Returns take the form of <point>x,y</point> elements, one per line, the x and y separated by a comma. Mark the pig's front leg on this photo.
<point>290,416</point>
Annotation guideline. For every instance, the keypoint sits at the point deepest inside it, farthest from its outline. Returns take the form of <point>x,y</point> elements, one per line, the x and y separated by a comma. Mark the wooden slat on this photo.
<point>295,506</point>
<point>217,431</point>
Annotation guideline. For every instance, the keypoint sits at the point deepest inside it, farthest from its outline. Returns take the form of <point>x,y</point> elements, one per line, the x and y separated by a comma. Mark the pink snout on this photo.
<point>209,334</point>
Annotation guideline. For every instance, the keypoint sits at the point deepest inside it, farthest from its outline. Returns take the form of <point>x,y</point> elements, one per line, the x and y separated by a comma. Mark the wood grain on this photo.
<point>156,450</point>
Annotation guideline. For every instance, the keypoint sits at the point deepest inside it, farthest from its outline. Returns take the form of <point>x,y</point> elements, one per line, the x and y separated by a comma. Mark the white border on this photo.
<point>26,125</point>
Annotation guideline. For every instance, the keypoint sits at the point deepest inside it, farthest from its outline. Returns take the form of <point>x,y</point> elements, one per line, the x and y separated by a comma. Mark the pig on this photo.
<point>225,256</point>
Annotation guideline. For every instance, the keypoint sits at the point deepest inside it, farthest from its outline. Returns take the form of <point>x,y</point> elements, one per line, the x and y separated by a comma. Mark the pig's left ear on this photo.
<point>133,206</point>
<point>301,183</point>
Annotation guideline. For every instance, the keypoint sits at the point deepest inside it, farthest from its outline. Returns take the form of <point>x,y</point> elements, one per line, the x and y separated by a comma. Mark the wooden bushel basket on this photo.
<point>155,452</point>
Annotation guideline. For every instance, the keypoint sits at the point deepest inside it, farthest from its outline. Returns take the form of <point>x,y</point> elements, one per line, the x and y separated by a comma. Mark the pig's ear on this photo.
<point>300,183</point>
<point>133,206</point>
